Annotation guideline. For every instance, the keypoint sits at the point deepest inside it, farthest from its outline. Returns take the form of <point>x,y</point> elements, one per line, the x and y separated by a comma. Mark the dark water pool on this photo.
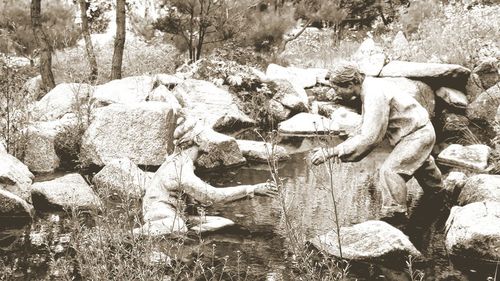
<point>258,241</point>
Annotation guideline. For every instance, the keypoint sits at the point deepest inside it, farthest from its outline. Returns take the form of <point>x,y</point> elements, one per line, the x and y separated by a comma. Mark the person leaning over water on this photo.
<point>163,206</point>
<point>386,112</point>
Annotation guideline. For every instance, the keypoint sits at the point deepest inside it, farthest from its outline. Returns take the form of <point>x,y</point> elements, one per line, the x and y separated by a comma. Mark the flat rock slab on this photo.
<point>260,151</point>
<point>453,97</point>
<point>12,206</point>
<point>304,78</point>
<point>132,89</point>
<point>480,188</point>
<point>123,177</point>
<point>140,132</point>
<point>369,240</point>
<point>64,98</point>
<point>474,231</point>
<point>473,157</point>
<point>423,70</point>
<point>308,124</point>
<point>67,192</point>
<point>213,106</point>
<point>15,177</point>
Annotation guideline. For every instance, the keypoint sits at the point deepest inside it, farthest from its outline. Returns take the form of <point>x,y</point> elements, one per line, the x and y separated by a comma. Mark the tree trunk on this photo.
<point>116,65</point>
<point>44,45</point>
<point>88,41</point>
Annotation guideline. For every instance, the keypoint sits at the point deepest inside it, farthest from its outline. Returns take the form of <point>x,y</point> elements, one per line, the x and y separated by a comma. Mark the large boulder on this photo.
<point>215,107</point>
<point>484,107</point>
<point>12,206</point>
<point>400,45</point>
<point>303,78</point>
<point>480,188</point>
<point>15,177</point>
<point>67,192</point>
<point>260,151</point>
<point>423,70</point>
<point>369,240</point>
<point>370,57</point>
<point>289,96</point>
<point>142,132</point>
<point>132,89</point>
<point>474,157</point>
<point>64,98</point>
<point>453,97</point>
<point>123,177</point>
<point>308,124</point>
<point>40,154</point>
<point>217,150</point>
<point>167,80</point>
<point>473,231</point>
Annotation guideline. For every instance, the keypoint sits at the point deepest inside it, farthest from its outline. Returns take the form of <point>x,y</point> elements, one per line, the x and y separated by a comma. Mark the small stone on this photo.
<point>452,97</point>
<point>261,151</point>
<point>480,188</point>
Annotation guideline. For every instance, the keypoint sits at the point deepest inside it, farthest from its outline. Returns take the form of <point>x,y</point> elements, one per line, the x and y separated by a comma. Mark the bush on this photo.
<point>57,21</point>
<point>266,29</point>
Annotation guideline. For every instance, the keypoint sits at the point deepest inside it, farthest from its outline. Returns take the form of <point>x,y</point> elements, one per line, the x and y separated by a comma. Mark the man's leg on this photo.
<point>429,176</point>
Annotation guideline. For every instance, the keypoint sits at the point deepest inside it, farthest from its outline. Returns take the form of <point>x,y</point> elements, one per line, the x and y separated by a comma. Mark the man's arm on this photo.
<point>376,111</point>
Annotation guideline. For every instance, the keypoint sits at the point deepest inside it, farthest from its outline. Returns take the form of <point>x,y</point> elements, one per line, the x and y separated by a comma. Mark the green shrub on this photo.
<point>266,29</point>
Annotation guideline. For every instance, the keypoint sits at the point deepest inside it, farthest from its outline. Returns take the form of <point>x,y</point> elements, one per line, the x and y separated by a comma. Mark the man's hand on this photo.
<point>265,189</point>
<point>320,155</point>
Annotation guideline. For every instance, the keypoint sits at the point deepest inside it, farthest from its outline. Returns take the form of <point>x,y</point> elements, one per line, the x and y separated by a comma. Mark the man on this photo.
<point>397,116</point>
<point>163,203</point>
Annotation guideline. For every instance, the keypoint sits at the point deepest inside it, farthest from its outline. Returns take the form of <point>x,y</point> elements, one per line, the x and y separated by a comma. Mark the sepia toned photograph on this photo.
<point>250,140</point>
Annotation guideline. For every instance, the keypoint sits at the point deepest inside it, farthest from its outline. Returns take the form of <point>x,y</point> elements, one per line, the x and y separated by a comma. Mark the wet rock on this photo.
<point>217,150</point>
<point>213,106</point>
<point>140,132</point>
<point>15,177</point>
<point>261,151</point>
<point>369,240</point>
<point>308,124</point>
<point>480,188</point>
<point>454,182</point>
<point>123,177</point>
<point>370,57</point>
<point>167,80</point>
<point>487,71</point>
<point>452,97</point>
<point>473,231</point>
<point>12,206</point>
<point>67,192</point>
<point>423,70</point>
<point>419,90</point>
<point>40,153</point>
<point>473,157</point>
<point>128,90</point>
<point>290,96</point>
<point>303,78</point>
<point>278,111</point>
<point>162,94</point>
<point>484,107</point>
<point>209,223</point>
<point>64,98</point>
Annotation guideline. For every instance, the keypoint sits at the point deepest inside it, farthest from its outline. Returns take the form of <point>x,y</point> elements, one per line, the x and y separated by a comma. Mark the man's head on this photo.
<point>346,79</point>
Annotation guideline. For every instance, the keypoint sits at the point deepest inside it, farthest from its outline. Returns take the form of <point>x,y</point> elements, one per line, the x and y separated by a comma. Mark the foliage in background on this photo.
<point>15,23</point>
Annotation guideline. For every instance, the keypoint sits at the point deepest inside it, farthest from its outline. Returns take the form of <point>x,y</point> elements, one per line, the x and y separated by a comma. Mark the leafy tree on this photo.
<point>197,23</point>
<point>116,63</point>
